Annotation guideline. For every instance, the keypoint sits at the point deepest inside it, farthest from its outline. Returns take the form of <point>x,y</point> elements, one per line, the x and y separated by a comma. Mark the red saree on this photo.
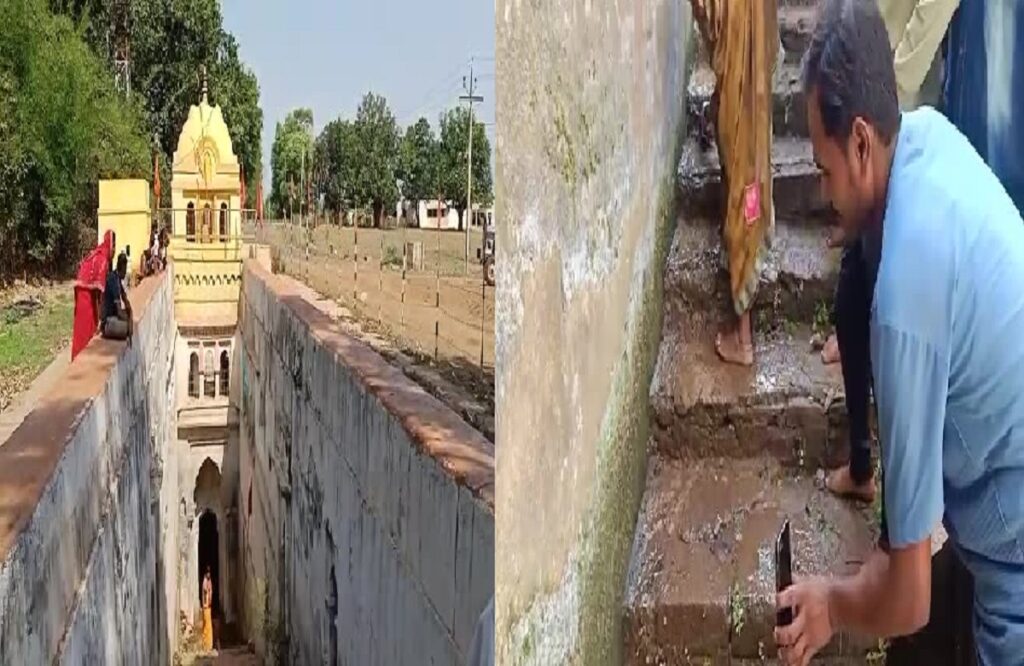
<point>92,277</point>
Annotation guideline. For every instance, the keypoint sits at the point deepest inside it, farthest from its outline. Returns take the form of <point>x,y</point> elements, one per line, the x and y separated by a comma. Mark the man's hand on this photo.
<point>812,626</point>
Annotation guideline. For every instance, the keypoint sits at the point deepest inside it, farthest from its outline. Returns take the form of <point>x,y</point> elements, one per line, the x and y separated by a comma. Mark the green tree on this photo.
<point>171,41</point>
<point>377,155</point>
<point>418,162</point>
<point>336,158</point>
<point>454,147</point>
<point>234,87</point>
<point>291,160</point>
<point>62,127</point>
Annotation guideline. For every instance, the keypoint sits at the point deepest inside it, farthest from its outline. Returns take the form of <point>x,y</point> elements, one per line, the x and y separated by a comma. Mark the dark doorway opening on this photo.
<point>208,557</point>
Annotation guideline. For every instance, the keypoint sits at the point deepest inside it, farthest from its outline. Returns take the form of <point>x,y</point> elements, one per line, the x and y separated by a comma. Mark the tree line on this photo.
<point>369,163</point>
<point>63,126</point>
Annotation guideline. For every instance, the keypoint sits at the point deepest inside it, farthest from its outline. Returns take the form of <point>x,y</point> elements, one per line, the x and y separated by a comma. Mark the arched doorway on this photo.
<point>209,540</point>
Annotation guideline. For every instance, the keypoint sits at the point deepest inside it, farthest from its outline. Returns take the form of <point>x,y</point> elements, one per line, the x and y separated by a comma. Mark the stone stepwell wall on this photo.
<point>79,480</point>
<point>591,119</point>
<point>366,505</point>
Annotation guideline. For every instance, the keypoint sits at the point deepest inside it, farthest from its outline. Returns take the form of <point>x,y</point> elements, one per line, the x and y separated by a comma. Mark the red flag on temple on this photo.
<point>241,177</point>
<point>156,179</point>
<point>259,199</point>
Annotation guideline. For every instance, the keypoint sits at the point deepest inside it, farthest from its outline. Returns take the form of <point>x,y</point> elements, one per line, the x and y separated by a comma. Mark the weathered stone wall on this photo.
<point>366,506</point>
<point>81,525</point>
<point>590,123</point>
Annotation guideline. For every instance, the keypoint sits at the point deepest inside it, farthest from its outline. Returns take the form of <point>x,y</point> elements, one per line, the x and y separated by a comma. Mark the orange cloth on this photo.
<point>207,628</point>
<point>742,40</point>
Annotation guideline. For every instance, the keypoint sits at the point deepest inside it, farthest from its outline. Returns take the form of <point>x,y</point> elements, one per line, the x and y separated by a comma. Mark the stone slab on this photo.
<point>789,110</point>
<point>788,405</point>
<point>796,181</point>
<point>701,581</point>
<point>798,280</point>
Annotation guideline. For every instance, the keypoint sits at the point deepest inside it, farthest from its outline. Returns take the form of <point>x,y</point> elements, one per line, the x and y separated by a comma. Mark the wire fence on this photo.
<point>416,284</point>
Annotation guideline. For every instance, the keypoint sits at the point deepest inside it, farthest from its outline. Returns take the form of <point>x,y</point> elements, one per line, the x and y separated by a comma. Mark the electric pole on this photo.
<point>120,36</point>
<point>471,98</point>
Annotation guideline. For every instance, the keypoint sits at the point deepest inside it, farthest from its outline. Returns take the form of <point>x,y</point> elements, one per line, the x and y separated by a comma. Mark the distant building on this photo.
<point>432,216</point>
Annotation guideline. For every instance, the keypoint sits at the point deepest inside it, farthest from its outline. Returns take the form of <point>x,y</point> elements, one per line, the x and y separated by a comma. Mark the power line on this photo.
<point>472,99</point>
<point>448,84</point>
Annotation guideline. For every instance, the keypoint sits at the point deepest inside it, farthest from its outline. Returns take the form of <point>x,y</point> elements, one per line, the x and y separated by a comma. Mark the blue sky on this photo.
<point>325,54</point>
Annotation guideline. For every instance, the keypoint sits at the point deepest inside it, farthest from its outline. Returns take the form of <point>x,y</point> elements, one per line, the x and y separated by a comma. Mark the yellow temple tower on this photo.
<point>206,249</point>
<point>206,236</point>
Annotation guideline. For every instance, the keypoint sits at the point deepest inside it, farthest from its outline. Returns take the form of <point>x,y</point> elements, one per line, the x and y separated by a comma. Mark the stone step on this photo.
<point>701,583</point>
<point>797,283</point>
<point>796,25</point>
<point>796,181</point>
<point>789,112</point>
<point>787,406</point>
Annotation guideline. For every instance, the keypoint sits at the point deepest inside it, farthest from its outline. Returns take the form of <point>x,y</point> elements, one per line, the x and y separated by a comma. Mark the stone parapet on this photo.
<point>383,495</point>
<point>79,480</point>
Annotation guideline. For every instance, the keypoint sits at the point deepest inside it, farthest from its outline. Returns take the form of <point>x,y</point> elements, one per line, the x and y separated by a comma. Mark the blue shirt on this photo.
<point>947,347</point>
<point>111,294</point>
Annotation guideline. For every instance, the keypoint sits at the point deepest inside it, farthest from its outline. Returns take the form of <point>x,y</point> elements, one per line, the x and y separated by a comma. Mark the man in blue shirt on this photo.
<point>116,322</point>
<point>947,348</point>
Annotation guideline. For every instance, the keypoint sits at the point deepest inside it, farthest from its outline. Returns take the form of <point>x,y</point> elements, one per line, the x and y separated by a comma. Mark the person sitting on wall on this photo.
<point>116,323</point>
<point>165,241</point>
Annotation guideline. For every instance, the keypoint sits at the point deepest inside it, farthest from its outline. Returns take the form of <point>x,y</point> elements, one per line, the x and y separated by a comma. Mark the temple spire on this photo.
<point>202,70</point>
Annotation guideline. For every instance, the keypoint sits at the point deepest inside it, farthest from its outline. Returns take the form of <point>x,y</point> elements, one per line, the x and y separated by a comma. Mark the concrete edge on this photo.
<point>462,451</point>
<point>30,456</point>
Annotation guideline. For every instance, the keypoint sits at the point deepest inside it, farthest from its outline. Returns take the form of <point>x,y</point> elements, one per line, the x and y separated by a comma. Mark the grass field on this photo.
<point>31,335</point>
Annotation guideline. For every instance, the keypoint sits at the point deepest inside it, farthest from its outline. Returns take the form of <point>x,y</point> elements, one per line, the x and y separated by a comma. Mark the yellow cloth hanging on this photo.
<point>742,39</point>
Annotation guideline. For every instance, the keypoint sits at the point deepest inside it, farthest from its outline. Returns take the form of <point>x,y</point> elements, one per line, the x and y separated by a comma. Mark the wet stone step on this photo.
<point>796,181</point>
<point>796,25</point>
<point>796,285</point>
<point>788,406</point>
<point>789,111</point>
<point>701,581</point>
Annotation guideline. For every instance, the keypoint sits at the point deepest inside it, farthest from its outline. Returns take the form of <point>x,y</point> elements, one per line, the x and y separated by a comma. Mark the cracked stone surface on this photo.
<point>703,577</point>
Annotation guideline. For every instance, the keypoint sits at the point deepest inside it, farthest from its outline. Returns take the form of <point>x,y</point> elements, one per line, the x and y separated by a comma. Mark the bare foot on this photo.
<point>830,352</point>
<point>840,483</point>
<point>732,350</point>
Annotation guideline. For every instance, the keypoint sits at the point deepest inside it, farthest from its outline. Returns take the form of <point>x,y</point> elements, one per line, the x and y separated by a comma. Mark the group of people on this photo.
<point>929,310</point>
<point>101,288</point>
<point>154,258</point>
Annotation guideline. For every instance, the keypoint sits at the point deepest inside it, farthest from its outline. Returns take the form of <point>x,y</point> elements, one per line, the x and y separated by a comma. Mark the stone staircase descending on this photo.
<point>735,450</point>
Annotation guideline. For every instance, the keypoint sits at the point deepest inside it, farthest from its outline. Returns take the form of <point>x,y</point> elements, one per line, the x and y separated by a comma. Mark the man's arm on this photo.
<point>889,596</point>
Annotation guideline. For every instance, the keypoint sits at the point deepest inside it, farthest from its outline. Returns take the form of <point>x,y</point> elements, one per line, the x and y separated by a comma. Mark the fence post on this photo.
<point>405,263</point>
<point>355,258</point>
<point>483,310</point>
<point>380,277</point>
<point>437,290</point>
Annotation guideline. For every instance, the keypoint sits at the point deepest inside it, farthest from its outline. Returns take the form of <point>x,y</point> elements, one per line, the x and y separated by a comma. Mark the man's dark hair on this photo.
<point>849,63</point>
<point>122,261</point>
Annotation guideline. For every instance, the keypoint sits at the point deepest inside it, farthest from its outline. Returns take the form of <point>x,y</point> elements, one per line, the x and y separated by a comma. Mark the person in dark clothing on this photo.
<point>851,317</point>
<point>116,322</point>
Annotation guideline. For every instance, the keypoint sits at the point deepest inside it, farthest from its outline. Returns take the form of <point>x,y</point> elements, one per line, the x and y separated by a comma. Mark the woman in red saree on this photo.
<point>92,276</point>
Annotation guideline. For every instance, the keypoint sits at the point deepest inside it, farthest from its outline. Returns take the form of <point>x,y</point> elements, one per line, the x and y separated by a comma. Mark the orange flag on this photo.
<point>241,176</point>
<point>259,199</point>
